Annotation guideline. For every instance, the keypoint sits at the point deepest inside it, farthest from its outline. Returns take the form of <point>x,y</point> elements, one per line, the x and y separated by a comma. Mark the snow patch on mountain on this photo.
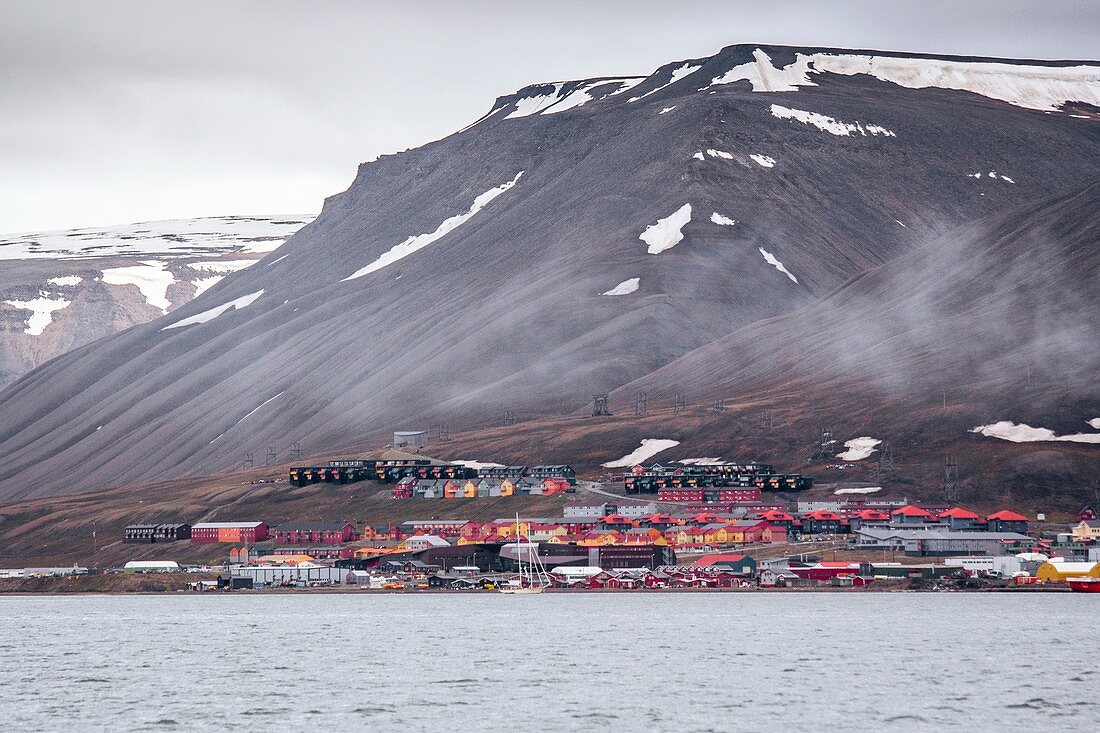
<point>223,266</point>
<point>774,262</point>
<point>992,174</point>
<point>858,490</point>
<point>763,160</point>
<point>858,448</point>
<point>205,283</point>
<point>66,281</point>
<point>1024,433</point>
<point>722,220</point>
<point>161,239</point>
<point>478,465</point>
<point>212,313</point>
<point>250,414</point>
<point>666,234</point>
<point>719,154</point>
<point>765,77</point>
<point>699,155</point>
<point>667,109</point>
<point>1095,422</point>
<point>678,73</point>
<point>1044,88</point>
<point>420,241</point>
<point>626,287</point>
<point>151,278</point>
<point>649,448</point>
<point>534,104</point>
<point>42,309</point>
<point>828,124</point>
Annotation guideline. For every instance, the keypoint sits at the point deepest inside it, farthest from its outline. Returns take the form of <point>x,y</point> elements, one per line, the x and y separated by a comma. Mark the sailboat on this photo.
<point>532,573</point>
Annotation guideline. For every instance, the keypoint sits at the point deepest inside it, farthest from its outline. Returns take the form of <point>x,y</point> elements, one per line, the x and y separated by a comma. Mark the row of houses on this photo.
<point>249,532</point>
<point>907,517</point>
<point>419,488</point>
<point>710,481</point>
<point>394,470</point>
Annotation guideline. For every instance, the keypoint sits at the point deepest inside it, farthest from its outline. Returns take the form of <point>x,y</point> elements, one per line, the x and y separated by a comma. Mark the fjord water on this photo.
<point>488,662</point>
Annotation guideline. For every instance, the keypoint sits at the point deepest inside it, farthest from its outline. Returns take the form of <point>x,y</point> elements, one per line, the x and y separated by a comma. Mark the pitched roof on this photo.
<point>821,514</point>
<point>959,513</point>
<point>1006,516</point>
<point>226,525</point>
<point>911,511</point>
<point>311,527</point>
<point>708,560</point>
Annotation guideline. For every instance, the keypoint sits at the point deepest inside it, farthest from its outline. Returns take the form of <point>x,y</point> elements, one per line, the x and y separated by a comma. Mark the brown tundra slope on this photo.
<point>469,277</point>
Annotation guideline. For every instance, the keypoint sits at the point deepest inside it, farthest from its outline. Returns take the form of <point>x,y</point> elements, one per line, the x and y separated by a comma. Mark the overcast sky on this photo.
<point>115,112</point>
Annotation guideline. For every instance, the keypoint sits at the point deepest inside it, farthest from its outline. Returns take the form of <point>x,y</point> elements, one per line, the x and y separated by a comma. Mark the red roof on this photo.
<point>708,560</point>
<point>911,511</point>
<point>776,515</point>
<point>821,514</point>
<point>959,513</point>
<point>616,519</point>
<point>1007,516</point>
<point>873,514</point>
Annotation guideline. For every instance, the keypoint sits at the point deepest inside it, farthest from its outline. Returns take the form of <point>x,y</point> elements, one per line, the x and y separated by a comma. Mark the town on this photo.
<point>708,526</point>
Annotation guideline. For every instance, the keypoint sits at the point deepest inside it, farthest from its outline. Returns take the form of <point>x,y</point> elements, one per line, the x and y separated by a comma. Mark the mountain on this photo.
<point>586,237</point>
<point>63,289</point>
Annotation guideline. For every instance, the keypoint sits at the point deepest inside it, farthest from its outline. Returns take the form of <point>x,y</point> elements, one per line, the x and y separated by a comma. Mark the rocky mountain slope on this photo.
<point>63,289</point>
<point>584,237</point>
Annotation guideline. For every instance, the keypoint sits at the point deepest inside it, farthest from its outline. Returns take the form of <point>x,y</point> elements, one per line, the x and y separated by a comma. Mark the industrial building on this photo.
<point>153,533</point>
<point>229,532</point>
<point>939,542</point>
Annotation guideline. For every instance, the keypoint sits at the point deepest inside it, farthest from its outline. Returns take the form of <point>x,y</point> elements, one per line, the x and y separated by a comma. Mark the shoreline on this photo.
<point>883,587</point>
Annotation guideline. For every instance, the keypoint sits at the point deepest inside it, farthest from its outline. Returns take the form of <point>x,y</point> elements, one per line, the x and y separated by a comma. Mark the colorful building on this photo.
<point>229,532</point>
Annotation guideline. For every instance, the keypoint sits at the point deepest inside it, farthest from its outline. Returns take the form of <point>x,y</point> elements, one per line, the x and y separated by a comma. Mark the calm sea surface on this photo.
<point>616,662</point>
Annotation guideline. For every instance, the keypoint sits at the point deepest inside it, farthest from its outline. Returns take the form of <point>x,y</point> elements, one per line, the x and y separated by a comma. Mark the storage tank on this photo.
<point>410,438</point>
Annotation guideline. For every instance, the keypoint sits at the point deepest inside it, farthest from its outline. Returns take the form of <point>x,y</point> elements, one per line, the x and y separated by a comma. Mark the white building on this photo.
<point>425,542</point>
<point>152,566</point>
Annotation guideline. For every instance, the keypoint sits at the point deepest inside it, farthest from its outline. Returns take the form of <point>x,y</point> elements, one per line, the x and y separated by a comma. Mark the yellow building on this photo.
<point>715,535</point>
<point>1058,572</point>
<point>1087,530</point>
<point>469,490</point>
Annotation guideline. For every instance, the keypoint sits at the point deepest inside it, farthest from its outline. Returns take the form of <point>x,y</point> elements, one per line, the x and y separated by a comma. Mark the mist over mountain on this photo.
<point>771,223</point>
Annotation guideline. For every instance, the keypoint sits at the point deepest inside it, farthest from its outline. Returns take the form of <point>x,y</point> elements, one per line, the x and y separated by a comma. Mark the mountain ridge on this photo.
<point>504,311</point>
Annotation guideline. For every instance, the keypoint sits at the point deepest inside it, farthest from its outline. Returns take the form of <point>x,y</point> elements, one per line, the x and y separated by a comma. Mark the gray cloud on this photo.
<point>123,111</point>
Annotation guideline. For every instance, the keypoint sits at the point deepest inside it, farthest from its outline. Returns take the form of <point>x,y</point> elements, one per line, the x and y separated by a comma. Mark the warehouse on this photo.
<point>229,532</point>
<point>938,542</point>
<point>1059,572</point>
<point>153,533</point>
<point>296,575</point>
<point>151,566</point>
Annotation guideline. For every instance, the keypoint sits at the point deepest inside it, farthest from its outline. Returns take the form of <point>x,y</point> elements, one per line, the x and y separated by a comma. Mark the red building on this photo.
<point>826,570</point>
<point>314,533</point>
<point>229,532</point>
